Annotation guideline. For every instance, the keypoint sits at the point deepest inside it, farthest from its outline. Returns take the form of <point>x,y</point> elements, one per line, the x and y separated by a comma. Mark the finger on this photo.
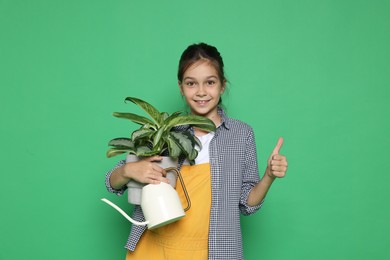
<point>148,178</point>
<point>160,175</point>
<point>279,174</point>
<point>278,162</point>
<point>151,181</point>
<point>153,178</point>
<point>278,157</point>
<point>278,146</point>
<point>158,169</point>
<point>279,168</point>
<point>154,158</point>
<point>166,180</point>
<point>157,178</point>
<point>156,175</point>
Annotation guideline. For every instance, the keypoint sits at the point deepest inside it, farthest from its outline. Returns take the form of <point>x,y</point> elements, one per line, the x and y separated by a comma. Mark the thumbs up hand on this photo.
<point>277,163</point>
<point>276,168</point>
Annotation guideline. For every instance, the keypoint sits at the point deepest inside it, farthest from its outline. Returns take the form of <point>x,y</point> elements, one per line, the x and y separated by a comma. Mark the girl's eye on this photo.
<point>190,83</point>
<point>210,82</point>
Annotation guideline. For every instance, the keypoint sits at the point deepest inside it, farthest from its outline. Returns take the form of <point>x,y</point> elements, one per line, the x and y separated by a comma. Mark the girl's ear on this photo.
<point>180,87</point>
<point>223,86</point>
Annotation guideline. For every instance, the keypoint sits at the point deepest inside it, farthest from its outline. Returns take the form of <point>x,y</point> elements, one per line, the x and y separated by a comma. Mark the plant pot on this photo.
<point>134,188</point>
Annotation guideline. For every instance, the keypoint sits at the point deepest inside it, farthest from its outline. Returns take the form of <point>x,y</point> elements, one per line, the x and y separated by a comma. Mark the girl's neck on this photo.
<point>216,120</point>
<point>199,132</point>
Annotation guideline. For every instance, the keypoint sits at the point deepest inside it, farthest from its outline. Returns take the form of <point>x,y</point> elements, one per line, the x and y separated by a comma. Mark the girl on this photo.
<point>223,183</point>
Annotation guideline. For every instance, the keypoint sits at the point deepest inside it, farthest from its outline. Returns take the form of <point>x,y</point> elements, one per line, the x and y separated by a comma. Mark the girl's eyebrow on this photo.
<point>208,77</point>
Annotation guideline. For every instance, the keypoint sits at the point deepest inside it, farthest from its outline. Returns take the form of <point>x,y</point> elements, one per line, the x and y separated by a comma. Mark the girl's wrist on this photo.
<point>126,174</point>
<point>269,175</point>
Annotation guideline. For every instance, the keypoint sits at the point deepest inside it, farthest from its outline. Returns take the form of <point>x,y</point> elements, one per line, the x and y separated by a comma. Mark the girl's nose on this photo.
<point>201,91</point>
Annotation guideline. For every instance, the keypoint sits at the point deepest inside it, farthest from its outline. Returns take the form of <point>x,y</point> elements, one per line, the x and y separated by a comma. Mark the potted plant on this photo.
<point>157,136</point>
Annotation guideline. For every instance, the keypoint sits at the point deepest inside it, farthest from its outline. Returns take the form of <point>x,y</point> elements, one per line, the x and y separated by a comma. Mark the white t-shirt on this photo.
<point>203,155</point>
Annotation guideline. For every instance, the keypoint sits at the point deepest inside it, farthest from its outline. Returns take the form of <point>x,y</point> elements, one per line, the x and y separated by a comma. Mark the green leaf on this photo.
<point>148,108</point>
<point>133,117</point>
<point>164,115</point>
<point>150,126</point>
<point>143,133</point>
<point>186,141</point>
<point>173,148</point>
<point>157,136</point>
<point>145,151</point>
<point>194,152</point>
<point>122,142</point>
<point>197,121</point>
<point>173,115</point>
<point>198,142</point>
<point>118,150</point>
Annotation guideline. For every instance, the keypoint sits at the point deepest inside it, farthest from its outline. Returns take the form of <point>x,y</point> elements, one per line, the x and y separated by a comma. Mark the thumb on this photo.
<point>278,146</point>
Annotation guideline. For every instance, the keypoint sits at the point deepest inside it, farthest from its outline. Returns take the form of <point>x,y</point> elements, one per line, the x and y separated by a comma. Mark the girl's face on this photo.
<point>202,89</point>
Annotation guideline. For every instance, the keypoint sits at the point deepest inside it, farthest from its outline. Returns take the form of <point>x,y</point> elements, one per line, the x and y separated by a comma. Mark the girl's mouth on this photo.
<point>202,102</point>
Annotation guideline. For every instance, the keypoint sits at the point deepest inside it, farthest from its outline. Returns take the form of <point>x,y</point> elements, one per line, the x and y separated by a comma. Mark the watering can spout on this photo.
<point>124,213</point>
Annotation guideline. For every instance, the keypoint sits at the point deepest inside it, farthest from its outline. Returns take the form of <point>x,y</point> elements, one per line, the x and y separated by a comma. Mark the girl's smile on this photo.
<point>202,102</point>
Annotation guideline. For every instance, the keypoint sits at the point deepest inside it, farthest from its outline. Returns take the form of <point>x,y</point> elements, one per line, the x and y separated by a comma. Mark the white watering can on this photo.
<point>160,204</point>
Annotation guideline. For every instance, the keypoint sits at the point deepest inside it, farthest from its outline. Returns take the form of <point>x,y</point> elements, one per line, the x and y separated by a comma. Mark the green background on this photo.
<point>315,72</point>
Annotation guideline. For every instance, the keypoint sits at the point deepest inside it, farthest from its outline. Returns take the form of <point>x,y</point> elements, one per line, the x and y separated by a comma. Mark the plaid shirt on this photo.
<point>234,172</point>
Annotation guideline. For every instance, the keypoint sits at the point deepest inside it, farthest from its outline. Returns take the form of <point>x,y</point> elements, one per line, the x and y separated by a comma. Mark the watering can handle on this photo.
<point>182,184</point>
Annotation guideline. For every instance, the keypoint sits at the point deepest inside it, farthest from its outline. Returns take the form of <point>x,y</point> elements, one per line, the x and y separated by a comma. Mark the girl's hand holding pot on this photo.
<point>145,171</point>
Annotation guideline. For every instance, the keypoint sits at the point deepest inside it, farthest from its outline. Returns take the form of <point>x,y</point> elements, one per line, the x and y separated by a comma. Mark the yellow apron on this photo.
<point>186,238</point>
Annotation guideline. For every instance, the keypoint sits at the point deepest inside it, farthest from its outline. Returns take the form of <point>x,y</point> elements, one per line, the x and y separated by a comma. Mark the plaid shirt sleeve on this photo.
<point>108,185</point>
<point>250,176</point>
<point>135,231</point>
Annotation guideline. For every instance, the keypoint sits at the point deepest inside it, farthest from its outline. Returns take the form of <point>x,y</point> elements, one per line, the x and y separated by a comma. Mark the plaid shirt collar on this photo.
<point>224,119</point>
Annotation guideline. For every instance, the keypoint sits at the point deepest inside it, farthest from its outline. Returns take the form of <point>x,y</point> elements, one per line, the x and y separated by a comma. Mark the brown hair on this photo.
<point>201,51</point>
